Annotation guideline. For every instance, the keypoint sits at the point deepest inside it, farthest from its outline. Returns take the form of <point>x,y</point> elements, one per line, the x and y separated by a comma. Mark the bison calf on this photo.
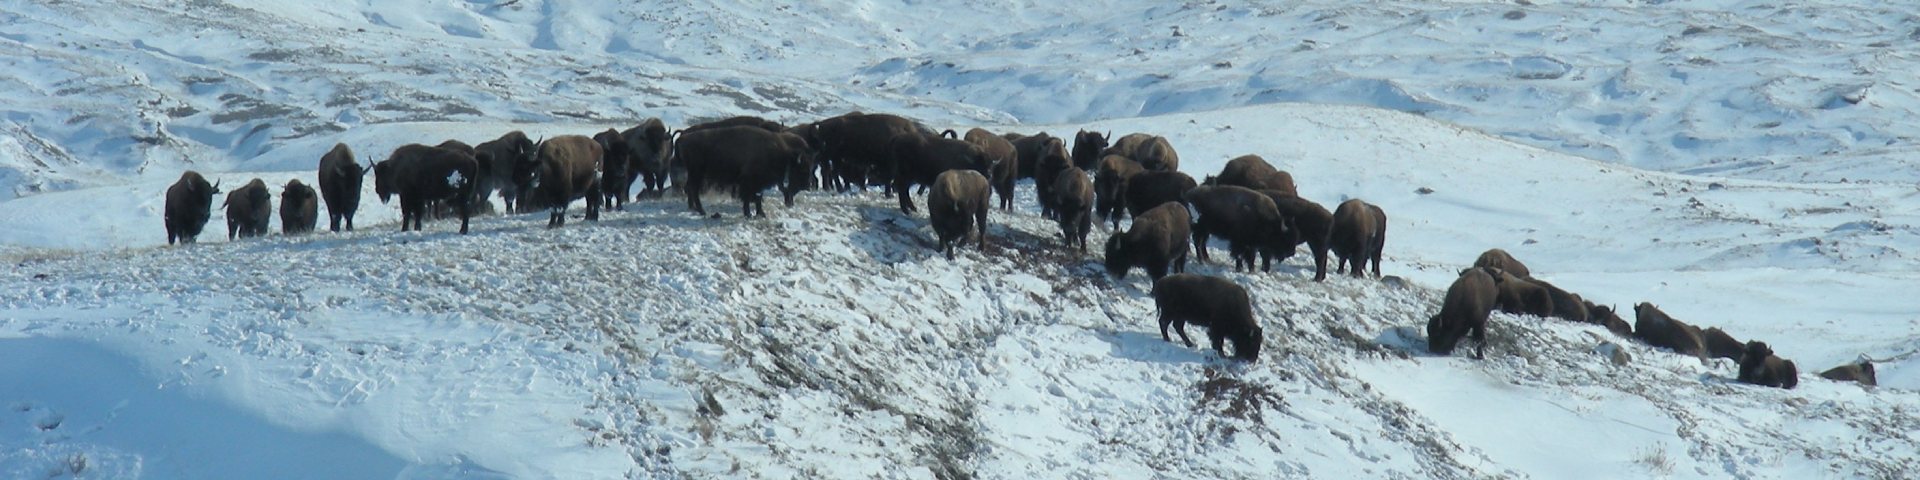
<point>189,205</point>
<point>299,208</point>
<point>1469,301</point>
<point>249,209</point>
<point>1213,302</point>
<point>959,203</point>
<point>1359,234</point>
<point>1157,241</point>
<point>1759,366</point>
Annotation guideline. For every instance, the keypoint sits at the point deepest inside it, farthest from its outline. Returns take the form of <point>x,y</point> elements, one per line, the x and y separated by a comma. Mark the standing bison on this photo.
<point>920,159</point>
<point>648,150</point>
<point>1254,172</point>
<point>1720,344</point>
<point>299,208</point>
<point>1759,366</point>
<point>1088,148</point>
<point>746,158</point>
<point>1110,187</point>
<point>340,180</point>
<point>1213,302</point>
<point>1053,160</point>
<point>504,164</point>
<point>1150,189</point>
<point>420,174</point>
<point>615,175</point>
<point>1005,159</point>
<point>856,146</point>
<point>1247,219</point>
<point>1153,152</point>
<point>1312,223</point>
<point>958,204</point>
<point>1073,203</point>
<point>1468,303</point>
<point>1030,148</point>
<point>189,204</point>
<point>566,172</point>
<point>1157,241</point>
<point>1359,234</point>
<point>249,210</point>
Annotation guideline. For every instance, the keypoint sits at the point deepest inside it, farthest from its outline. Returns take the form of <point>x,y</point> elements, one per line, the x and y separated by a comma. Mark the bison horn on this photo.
<point>1109,135</point>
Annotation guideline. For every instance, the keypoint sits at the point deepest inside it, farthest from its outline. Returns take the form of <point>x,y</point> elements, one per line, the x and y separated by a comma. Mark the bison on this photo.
<point>1030,149</point>
<point>249,210</point>
<point>614,170</point>
<point>1053,160</point>
<point>856,146</point>
<point>1721,345</point>
<point>299,208</point>
<point>1861,372</point>
<point>420,174</point>
<point>1500,259</point>
<point>1519,296</point>
<point>959,203</point>
<point>1157,241</point>
<point>1247,219</point>
<point>1759,366</point>
<point>1312,223</point>
<point>340,180</point>
<point>566,172</point>
<point>1660,330</point>
<point>1359,234</point>
<point>189,205</point>
<point>749,159</point>
<point>1213,302</point>
<point>504,165</point>
<point>1153,152</point>
<point>1110,186</point>
<point>1150,189</point>
<point>920,159</point>
<point>1073,201</point>
<point>648,146</point>
<point>1606,315</point>
<point>1566,305</point>
<point>1088,148</point>
<point>1254,172</point>
<point>1005,159</point>
<point>1468,303</point>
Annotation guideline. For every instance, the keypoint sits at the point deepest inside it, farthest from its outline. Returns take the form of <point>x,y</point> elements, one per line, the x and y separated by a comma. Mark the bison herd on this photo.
<point>1250,204</point>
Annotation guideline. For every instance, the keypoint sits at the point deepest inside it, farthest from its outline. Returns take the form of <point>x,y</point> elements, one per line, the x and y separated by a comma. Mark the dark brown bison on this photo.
<point>249,210</point>
<point>1313,226</point>
<point>1519,296</point>
<point>856,146</point>
<point>299,208</point>
<point>420,174</point>
<point>1566,305</point>
<point>747,158</point>
<point>506,166</point>
<point>1157,241</point>
<point>1152,151</point>
<point>614,173</point>
<point>958,204</point>
<point>1247,219</point>
<point>920,159</point>
<point>1088,148</point>
<point>1006,163</point>
<point>1073,199</point>
<point>1861,372</point>
<point>1359,234</point>
<point>1030,148</point>
<point>1213,302</point>
<point>189,205</point>
<point>1469,301</point>
<point>340,180</point>
<point>1606,315</point>
<point>1150,189</point>
<point>1110,187</point>
<point>1759,366</point>
<point>566,172</point>
<point>1254,172</point>
<point>648,149</point>
<point>457,146</point>
<point>1660,330</point>
<point>1500,259</point>
<point>1721,345</point>
<point>1053,160</point>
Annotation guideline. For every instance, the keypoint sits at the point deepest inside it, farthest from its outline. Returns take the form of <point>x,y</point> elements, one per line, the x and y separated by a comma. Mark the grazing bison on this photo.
<point>1606,315</point>
<point>1110,186</point>
<point>299,208</point>
<point>958,204</point>
<point>920,159</point>
<point>1861,372</point>
<point>749,159</point>
<point>1660,330</point>
<point>1073,199</point>
<point>1088,148</point>
<point>1053,160</point>
<point>1157,241</point>
<point>1213,302</point>
<point>1519,296</point>
<point>1150,189</point>
<point>566,173</point>
<point>1359,234</point>
<point>648,148</point>
<point>1498,258</point>
<point>505,167</point>
<point>189,204</point>
<point>1312,223</point>
<point>249,210</point>
<point>1759,366</point>
<point>420,174</point>
<point>1246,218</point>
<point>614,173</point>
<point>857,146</point>
<point>340,180</point>
<point>1254,172</point>
<point>1006,163</point>
<point>1030,149</point>
<point>1152,151</point>
<point>1469,301</point>
<point>1721,345</point>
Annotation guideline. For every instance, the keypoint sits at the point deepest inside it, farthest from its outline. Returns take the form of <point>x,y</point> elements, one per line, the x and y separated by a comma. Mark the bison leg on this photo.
<point>466,212</point>
<point>980,227</point>
<point>1480,340</point>
<point>1200,242</point>
<point>1219,342</point>
<point>1165,321</point>
<point>1180,327</point>
<point>902,187</point>
<point>594,199</point>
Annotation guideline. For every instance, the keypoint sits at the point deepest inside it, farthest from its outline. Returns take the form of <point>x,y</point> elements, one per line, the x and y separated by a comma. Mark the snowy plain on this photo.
<point>1741,164</point>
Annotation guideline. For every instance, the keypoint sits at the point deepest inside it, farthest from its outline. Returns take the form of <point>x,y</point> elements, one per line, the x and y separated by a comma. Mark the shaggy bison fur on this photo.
<point>1247,219</point>
<point>957,205</point>
<point>747,158</point>
<point>1500,259</point>
<point>1213,302</point>
<point>1030,149</point>
<point>1469,301</point>
<point>1359,234</point>
<point>189,205</point>
<point>1152,151</point>
<point>1073,201</point>
<point>340,180</point>
<point>249,209</point>
<point>299,208</point>
<point>566,172</point>
<point>1053,160</point>
<point>1254,172</point>
<point>1157,241</point>
<point>1759,366</point>
<point>1150,189</point>
<point>1110,186</point>
<point>920,159</point>
<point>1088,147</point>
<point>505,167</point>
<point>1312,223</point>
<point>1006,163</point>
<point>420,174</point>
<point>648,148</point>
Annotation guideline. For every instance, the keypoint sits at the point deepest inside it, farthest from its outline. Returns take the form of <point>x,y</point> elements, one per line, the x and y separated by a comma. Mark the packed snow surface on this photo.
<point>1742,165</point>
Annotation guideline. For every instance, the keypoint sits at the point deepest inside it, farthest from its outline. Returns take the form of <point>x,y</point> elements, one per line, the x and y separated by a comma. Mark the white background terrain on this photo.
<point>1744,165</point>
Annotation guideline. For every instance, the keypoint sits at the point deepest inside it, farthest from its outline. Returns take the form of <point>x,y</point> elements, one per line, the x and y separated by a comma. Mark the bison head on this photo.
<point>1440,339</point>
<point>800,169</point>
<point>383,181</point>
<point>1117,261</point>
<point>1247,348</point>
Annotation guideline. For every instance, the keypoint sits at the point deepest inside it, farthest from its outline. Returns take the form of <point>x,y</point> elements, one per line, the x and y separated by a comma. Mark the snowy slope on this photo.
<point>1690,154</point>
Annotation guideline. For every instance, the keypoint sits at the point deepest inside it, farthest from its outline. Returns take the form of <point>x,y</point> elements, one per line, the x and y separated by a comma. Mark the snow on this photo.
<point>1741,165</point>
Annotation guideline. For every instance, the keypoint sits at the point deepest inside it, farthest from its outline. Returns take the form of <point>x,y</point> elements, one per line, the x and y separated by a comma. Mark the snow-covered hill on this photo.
<point>829,341</point>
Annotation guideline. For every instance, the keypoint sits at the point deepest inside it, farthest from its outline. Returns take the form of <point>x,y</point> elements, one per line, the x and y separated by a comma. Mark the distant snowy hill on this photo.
<point>1690,154</point>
